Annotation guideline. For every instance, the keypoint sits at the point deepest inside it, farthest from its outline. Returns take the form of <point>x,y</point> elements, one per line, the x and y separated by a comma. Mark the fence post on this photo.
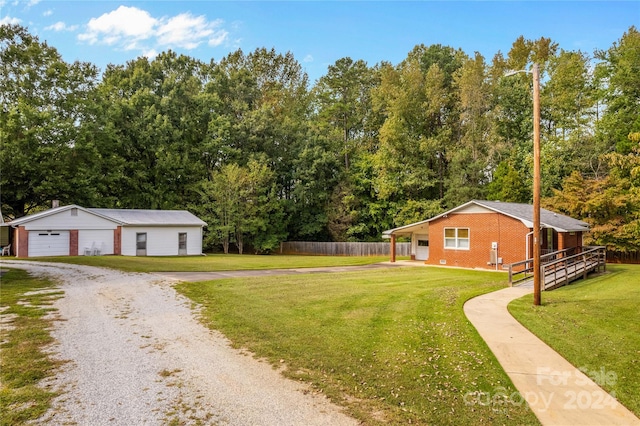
<point>393,248</point>
<point>510,275</point>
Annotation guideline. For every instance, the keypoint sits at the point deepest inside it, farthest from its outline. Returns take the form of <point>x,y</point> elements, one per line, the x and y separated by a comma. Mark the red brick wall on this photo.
<point>566,240</point>
<point>117,241</point>
<point>73,242</point>
<point>484,228</point>
<point>21,236</point>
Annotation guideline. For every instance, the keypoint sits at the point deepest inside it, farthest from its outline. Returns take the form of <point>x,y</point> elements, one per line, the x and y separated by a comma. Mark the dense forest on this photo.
<point>263,155</point>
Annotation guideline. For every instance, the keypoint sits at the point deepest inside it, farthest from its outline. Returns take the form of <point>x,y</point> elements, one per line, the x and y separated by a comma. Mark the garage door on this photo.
<point>48,243</point>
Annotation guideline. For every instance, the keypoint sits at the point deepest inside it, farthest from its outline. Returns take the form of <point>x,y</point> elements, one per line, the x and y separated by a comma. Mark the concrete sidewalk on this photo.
<point>557,392</point>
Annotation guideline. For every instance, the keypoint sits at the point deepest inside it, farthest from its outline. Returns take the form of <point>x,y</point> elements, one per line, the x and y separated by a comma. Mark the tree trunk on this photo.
<point>239,242</point>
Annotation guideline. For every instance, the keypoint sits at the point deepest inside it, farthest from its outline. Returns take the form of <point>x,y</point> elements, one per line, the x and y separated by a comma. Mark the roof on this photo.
<point>522,212</point>
<point>45,213</point>
<point>125,216</point>
<point>150,217</point>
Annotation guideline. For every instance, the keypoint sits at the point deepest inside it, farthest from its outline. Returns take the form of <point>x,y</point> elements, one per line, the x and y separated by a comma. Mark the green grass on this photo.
<point>23,364</point>
<point>392,345</point>
<point>595,325</point>
<point>215,262</point>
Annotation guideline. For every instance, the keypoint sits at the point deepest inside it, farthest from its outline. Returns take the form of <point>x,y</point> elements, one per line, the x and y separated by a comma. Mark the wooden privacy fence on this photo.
<point>343,249</point>
<point>622,257</point>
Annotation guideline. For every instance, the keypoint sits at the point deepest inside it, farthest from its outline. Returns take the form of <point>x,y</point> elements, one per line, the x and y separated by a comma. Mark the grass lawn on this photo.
<point>595,324</point>
<point>393,346</point>
<point>214,262</point>
<point>23,364</point>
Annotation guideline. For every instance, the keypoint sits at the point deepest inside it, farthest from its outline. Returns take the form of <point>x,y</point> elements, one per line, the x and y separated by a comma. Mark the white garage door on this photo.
<point>95,241</point>
<point>48,243</point>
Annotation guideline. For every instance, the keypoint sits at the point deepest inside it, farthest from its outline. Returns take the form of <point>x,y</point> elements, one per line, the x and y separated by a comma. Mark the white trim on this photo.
<point>457,239</point>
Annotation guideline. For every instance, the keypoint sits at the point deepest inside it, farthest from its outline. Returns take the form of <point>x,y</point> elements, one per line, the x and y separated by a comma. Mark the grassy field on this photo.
<point>23,364</point>
<point>595,325</point>
<point>393,345</point>
<point>215,262</point>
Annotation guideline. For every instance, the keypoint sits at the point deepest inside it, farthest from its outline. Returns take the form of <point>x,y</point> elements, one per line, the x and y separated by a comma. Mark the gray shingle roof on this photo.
<point>151,217</point>
<point>524,212</point>
<point>127,216</point>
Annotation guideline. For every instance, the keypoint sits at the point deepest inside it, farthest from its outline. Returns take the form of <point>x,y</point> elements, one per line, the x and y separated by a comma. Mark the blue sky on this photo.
<point>317,32</point>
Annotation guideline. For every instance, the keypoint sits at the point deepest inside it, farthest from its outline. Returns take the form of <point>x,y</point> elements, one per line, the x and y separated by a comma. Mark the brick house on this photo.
<point>487,234</point>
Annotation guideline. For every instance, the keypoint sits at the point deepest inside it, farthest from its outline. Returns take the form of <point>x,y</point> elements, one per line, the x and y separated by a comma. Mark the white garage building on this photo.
<point>75,231</point>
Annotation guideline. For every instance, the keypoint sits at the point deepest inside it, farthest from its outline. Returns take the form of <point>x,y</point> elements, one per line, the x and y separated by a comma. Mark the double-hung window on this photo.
<point>456,238</point>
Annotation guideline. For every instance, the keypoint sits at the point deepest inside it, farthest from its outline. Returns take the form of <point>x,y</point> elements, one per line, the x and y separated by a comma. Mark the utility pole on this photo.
<point>536,186</point>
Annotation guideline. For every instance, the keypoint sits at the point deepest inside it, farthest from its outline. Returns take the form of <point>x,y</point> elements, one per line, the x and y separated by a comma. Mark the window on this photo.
<point>456,238</point>
<point>423,243</point>
<point>141,244</point>
<point>182,243</point>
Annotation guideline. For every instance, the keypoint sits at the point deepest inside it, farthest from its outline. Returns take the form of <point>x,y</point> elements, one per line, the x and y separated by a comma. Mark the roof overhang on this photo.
<point>56,210</point>
<point>407,230</point>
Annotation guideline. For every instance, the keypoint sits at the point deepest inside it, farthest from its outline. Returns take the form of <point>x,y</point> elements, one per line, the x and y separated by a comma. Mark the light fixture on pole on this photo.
<point>536,181</point>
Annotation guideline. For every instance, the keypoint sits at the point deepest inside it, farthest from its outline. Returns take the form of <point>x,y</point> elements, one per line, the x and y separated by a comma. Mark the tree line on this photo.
<point>263,155</point>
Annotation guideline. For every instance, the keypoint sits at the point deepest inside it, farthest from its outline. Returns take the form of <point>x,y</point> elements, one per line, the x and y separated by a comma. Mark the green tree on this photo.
<point>344,100</point>
<point>46,150</point>
<point>155,118</point>
<point>240,205</point>
<point>473,152</point>
<point>618,76</point>
<point>611,205</point>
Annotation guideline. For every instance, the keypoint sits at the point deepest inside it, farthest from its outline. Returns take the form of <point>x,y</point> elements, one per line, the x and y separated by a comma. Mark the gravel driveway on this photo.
<point>137,355</point>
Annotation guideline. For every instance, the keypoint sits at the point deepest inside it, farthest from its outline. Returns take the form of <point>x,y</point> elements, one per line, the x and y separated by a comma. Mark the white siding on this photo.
<point>101,239</point>
<point>65,221</point>
<point>422,252</point>
<point>474,208</point>
<point>43,243</point>
<point>162,241</point>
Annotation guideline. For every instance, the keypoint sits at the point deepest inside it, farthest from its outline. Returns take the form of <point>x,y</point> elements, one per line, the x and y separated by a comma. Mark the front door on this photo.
<point>182,243</point>
<point>422,247</point>
<point>141,244</point>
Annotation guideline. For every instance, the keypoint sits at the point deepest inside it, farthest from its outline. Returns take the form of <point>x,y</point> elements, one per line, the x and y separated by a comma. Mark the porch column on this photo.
<point>73,242</point>
<point>117,241</point>
<point>21,237</point>
<point>393,248</point>
<point>561,241</point>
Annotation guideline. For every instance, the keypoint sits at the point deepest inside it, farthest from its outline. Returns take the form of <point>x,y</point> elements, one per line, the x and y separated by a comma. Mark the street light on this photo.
<point>536,180</point>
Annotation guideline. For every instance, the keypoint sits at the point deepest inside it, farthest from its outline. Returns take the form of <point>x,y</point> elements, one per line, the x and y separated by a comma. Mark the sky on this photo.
<point>318,33</point>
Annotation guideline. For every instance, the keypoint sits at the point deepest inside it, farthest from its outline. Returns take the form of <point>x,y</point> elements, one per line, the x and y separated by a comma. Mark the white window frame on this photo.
<point>458,242</point>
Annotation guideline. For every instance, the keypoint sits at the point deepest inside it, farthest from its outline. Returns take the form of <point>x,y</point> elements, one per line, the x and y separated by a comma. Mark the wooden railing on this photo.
<point>561,267</point>
<point>562,271</point>
<point>523,270</point>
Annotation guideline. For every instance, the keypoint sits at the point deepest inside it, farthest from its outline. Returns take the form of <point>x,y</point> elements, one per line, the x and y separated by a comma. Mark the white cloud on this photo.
<point>8,20</point>
<point>184,31</point>
<point>150,54</point>
<point>218,38</point>
<point>131,28</point>
<point>61,26</point>
<point>32,2</point>
<point>308,58</point>
<point>128,23</point>
<point>47,12</point>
